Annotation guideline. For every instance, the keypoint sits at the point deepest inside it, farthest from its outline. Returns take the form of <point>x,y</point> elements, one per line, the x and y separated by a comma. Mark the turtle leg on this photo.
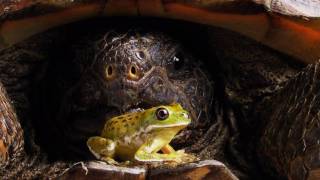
<point>11,133</point>
<point>290,135</point>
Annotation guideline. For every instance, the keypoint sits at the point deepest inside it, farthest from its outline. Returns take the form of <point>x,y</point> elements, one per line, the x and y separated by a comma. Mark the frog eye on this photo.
<point>133,72</point>
<point>110,72</point>
<point>162,114</point>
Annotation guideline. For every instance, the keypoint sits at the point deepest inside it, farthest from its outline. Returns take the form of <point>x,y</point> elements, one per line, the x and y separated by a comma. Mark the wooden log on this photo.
<point>208,169</point>
<point>101,170</point>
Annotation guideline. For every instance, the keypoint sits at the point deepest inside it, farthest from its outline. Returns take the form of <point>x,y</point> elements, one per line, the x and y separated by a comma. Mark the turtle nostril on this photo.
<point>110,73</point>
<point>133,73</point>
<point>133,70</point>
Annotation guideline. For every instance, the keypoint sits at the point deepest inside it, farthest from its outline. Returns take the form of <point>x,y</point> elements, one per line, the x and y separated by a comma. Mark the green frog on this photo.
<point>139,136</point>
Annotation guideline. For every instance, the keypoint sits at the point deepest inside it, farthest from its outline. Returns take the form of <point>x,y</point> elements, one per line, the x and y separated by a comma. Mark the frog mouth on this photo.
<point>169,126</point>
<point>157,127</point>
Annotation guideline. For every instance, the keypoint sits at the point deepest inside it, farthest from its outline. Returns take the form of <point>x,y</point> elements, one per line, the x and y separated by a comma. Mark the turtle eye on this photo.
<point>178,61</point>
<point>162,114</point>
<point>110,72</point>
<point>133,73</point>
<point>140,54</point>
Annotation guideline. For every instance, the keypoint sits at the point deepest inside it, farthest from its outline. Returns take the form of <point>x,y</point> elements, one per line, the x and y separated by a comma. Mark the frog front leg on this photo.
<point>148,152</point>
<point>102,148</point>
<point>167,149</point>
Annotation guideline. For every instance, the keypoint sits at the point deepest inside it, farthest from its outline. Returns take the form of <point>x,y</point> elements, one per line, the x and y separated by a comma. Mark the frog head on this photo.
<point>165,117</point>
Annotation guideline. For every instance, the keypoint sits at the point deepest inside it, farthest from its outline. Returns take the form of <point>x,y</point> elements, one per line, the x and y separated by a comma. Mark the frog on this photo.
<point>138,136</point>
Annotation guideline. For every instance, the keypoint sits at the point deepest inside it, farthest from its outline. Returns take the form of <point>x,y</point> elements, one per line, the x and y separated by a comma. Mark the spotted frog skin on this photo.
<point>138,136</point>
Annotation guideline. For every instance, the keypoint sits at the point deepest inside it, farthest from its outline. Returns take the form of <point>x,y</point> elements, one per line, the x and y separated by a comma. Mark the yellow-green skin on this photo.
<point>138,136</point>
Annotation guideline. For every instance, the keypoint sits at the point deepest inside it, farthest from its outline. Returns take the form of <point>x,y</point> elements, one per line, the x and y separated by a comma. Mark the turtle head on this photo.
<point>140,70</point>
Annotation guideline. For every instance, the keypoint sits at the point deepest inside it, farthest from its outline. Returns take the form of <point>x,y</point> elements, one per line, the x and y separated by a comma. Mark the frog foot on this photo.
<point>182,157</point>
<point>110,161</point>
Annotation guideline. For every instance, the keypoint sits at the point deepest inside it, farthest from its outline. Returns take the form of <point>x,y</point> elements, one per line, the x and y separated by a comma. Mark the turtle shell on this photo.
<point>294,36</point>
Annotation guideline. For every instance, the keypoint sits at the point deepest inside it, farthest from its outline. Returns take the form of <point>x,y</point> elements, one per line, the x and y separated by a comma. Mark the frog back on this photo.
<point>121,126</point>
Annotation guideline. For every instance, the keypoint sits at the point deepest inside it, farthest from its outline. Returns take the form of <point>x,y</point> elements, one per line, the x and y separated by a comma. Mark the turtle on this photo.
<point>264,109</point>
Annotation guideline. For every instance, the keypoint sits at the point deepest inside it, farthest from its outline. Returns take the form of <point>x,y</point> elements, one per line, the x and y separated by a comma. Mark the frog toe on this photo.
<point>109,160</point>
<point>183,157</point>
<point>181,151</point>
